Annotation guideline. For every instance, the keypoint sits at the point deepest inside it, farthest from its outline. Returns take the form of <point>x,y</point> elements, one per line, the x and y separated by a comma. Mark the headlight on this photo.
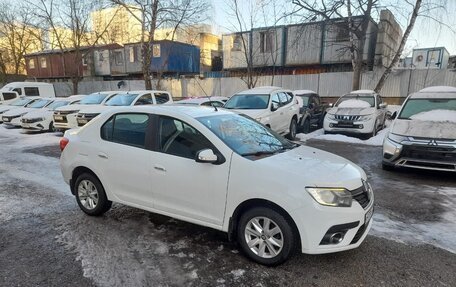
<point>396,138</point>
<point>365,118</point>
<point>331,196</point>
<point>72,112</point>
<point>331,117</point>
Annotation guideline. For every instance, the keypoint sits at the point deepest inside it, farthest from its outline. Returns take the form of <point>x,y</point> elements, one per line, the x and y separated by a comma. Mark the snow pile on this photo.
<point>319,135</point>
<point>438,89</point>
<point>436,116</point>
<point>354,104</point>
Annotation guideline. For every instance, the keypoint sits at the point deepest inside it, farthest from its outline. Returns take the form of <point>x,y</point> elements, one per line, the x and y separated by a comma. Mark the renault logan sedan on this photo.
<point>221,170</point>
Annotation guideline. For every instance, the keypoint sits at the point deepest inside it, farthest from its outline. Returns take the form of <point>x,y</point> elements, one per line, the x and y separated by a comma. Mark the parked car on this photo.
<point>298,196</point>
<point>274,107</point>
<point>423,134</point>
<point>12,91</point>
<point>360,112</point>
<point>311,109</point>
<point>13,117</point>
<point>204,101</point>
<point>130,98</point>
<point>18,103</point>
<point>42,119</point>
<point>65,117</point>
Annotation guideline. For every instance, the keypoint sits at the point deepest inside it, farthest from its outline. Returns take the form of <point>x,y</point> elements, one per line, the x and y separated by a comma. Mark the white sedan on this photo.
<point>19,103</point>
<point>195,164</point>
<point>42,119</point>
<point>360,112</point>
<point>204,101</point>
<point>13,117</point>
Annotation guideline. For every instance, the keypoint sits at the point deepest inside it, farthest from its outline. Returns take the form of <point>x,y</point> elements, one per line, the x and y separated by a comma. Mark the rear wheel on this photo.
<point>51,127</point>
<point>306,126</point>
<point>266,236</point>
<point>293,129</point>
<point>90,195</point>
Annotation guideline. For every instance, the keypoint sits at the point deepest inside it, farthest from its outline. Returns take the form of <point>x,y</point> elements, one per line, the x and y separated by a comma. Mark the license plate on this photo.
<point>82,121</point>
<point>368,215</point>
<point>25,125</point>
<point>5,119</point>
<point>58,118</point>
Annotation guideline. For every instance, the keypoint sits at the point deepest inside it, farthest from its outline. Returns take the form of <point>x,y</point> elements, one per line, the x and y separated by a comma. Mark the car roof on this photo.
<point>363,92</point>
<point>189,110</point>
<point>200,100</point>
<point>262,90</point>
<point>302,92</point>
<point>141,92</point>
<point>435,92</point>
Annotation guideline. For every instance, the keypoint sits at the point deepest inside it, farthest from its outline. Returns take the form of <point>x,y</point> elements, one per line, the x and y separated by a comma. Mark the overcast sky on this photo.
<point>427,32</point>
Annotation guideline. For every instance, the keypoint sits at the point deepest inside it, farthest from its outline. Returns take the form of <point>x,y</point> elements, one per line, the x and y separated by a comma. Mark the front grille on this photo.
<point>9,119</point>
<point>63,113</point>
<point>359,233</point>
<point>361,195</point>
<point>431,153</point>
<point>29,121</point>
<point>347,118</point>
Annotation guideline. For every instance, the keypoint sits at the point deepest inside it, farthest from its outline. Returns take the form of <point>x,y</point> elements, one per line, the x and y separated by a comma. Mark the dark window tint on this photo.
<point>180,139</point>
<point>128,129</point>
<point>9,96</point>
<point>161,98</point>
<point>144,100</point>
<point>32,91</point>
<point>18,91</point>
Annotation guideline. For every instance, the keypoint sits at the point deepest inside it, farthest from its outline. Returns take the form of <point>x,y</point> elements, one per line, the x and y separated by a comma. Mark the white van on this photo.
<point>12,91</point>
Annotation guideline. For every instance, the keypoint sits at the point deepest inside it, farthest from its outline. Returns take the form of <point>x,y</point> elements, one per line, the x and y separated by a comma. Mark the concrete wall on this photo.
<point>388,38</point>
<point>399,85</point>
<point>234,51</point>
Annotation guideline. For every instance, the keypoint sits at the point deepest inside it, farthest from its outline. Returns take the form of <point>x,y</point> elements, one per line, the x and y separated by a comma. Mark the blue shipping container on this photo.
<point>175,57</point>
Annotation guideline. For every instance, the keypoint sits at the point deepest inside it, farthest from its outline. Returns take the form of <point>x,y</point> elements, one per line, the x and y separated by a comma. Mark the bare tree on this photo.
<point>67,23</point>
<point>357,30</point>
<point>17,38</point>
<point>154,14</point>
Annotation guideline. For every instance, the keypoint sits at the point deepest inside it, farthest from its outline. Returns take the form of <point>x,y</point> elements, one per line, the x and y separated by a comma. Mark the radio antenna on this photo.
<point>207,96</point>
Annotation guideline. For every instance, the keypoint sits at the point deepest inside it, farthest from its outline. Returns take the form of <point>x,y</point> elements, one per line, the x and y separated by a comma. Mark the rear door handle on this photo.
<point>160,168</point>
<point>102,155</point>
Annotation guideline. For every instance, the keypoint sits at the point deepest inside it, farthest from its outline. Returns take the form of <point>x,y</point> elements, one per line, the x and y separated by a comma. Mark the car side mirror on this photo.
<point>274,107</point>
<point>206,156</point>
<point>391,116</point>
<point>382,105</point>
<point>310,106</point>
<point>330,105</point>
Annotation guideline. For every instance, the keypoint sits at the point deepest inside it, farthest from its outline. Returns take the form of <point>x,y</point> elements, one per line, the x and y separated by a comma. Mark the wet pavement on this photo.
<point>45,240</point>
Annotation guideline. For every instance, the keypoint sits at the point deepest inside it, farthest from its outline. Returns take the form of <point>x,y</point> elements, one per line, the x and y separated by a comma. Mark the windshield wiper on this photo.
<point>259,153</point>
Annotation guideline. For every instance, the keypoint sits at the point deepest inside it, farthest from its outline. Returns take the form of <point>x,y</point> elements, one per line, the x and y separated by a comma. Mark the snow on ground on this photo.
<point>319,134</point>
<point>436,116</point>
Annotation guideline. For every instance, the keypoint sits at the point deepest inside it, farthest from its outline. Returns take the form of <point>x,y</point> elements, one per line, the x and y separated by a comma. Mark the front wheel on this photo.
<point>266,236</point>
<point>293,129</point>
<point>90,195</point>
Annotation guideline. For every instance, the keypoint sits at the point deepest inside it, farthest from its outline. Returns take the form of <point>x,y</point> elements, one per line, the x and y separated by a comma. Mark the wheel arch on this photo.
<point>77,172</point>
<point>259,202</point>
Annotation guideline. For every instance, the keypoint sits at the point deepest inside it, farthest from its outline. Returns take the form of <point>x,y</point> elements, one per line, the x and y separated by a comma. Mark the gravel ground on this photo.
<point>46,241</point>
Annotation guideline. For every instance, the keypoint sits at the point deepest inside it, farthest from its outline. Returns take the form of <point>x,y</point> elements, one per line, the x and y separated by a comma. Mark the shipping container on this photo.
<point>235,49</point>
<point>268,46</point>
<point>433,58</point>
<point>303,45</point>
<point>170,57</point>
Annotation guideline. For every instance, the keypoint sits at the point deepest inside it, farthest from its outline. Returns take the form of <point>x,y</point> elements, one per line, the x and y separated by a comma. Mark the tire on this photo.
<point>262,250</point>
<point>96,203</point>
<point>374,132</point>
<point>322,119</point>
<point>387,167</point>
<point>52,128</point>
<point>306,126</point>
<point>293,129</point>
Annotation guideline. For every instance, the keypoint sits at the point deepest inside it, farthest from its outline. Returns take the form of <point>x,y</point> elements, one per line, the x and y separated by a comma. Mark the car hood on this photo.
<point>39,113</point>
<point>316,167</point>
<point>252,113</point>
<point>351,111</point>
<point>424,129</point>
<point>95,109</point>
<point>7,108</point>
<point>73,107</point>
<point>18,111</point>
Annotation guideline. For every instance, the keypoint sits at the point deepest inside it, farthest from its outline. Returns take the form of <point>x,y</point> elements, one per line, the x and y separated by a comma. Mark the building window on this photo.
<point>133,54</point>
<point>43,62</point>
<point>84,60</point>
<point>266,40</point>
<point>342,32</point>
<point>31,63</point>
<point>237,43</point>
<point>156,51</point>
<point>118,57</point>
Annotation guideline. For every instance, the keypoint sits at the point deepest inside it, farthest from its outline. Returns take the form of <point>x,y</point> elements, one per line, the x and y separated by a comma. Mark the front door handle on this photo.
<point>160,168</point>
<point>102,155</point>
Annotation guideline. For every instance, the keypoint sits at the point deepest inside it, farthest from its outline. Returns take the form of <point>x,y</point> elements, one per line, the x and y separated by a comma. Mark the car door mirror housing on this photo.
<point>391,116</point>
<point>274,106</point>
<point>330,105</point>
<point>206,156</point>
<point>382,105</point>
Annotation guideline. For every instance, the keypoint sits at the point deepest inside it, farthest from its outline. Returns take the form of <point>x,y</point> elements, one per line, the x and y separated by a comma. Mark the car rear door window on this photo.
<point>283,99</point>
<point>144,100</point>
<point>161,98</point>
<point>180,139</point>
<point>129,129</point>
<point>32,91</point>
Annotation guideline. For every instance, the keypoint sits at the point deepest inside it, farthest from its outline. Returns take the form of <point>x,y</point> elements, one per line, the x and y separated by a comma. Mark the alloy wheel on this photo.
<point>264,237</point>
<point>88,194</point>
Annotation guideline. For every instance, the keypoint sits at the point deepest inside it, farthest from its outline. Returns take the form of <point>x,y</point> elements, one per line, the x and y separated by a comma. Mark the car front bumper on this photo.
<point>37,126</point>
<point>12,122</point>
<point>421,154</point>
<point>65,122</point>
<point>348,127</point>
<point>353,222</point>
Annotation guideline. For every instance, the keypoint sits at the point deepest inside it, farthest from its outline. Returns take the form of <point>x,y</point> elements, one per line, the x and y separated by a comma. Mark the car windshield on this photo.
<point>248,102</point>
<point>367,98</point>
<point>93,99</point>
<point>20,102</point>
<point>245,136</point>
<point>305,100</point>
<point>57,104</point>
<point>121,100</point>
<point>416,106</point>
<point>39,104</point>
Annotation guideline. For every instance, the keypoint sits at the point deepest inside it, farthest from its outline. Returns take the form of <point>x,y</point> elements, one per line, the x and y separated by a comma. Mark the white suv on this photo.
<point>195,164</point>
<point>357,113</point>
<point>274,107</point>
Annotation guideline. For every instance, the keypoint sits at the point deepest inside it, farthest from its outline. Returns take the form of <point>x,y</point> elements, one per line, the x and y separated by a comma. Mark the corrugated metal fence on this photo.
<point>399,84</point>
